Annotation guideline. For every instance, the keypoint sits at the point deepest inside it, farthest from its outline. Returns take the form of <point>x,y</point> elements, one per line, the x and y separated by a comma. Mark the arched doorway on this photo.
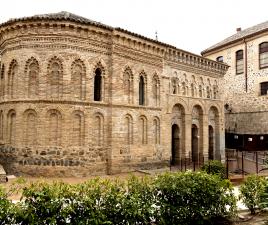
<point>175,150</point>
<point>214,133</point>
<point>194,143</point>
<point>210,142</point>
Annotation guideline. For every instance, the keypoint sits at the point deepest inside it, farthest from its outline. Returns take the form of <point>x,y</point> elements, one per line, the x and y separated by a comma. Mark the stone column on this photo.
<point>205,137</point>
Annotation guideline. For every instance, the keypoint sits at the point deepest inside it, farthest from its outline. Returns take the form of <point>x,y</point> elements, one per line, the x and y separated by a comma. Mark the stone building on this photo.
<point>79,97</point>
<point>246,84</point>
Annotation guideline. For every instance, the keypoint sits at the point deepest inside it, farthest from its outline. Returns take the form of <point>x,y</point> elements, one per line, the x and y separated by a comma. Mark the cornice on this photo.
<point>77,103</point>
<point>115,35</point>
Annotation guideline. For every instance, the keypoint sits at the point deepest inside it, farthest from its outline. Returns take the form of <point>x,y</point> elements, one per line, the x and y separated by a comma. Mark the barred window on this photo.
<point>239,62</point>
<point>264,88</point>
<point>263,57</point>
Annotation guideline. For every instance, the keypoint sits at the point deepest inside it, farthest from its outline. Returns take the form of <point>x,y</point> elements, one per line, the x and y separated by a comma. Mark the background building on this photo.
<point>79,97</point>
<point>246,86</point>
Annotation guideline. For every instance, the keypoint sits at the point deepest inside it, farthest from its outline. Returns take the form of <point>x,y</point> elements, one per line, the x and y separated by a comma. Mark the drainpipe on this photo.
<point>246,65</point>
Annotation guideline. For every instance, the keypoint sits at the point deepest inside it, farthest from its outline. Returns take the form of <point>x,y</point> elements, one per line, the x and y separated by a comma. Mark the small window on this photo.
<point>219,59</point>
<point>263,55</point>
<point>141,91</point>
<point>264,88</point>
<point>239,62</point>
<point>97,85</point>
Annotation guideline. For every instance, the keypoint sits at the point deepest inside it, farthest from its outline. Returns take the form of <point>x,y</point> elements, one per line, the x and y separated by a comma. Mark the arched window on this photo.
<point>55,78</point>
<point>78,80</point>
<point>32,71</point>
<point>143,130</point>
<point>97,85</point>
<point>156,130</point>
<point>141,91</point>
<point>54,128</point>
<point>219,59</point>
<point>184,88</point>
<point>239,62</point>
<point>200,91</point>
<point>99,129</point>
<point>12,77</point>
<point>2,92</point>
<point>129,130</point>
<point>215,91</point>
<point>128,85</point>
<point>192,90</point>
<point>11,127</point>
<point>1,125</point>
<point>30,128</point>
<point>155,90</point>
<point>208,92</point>
<point>263,55</point>
<point>78,129</point>
<point>174,86</point>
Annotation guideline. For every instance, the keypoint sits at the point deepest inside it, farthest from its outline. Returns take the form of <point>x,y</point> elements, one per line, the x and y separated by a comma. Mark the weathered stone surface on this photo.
<point>71,106</point>
<point>248,109</point>
<point>2,174</point>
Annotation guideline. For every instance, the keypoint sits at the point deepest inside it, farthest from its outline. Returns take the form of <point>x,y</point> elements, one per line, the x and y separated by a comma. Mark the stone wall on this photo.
<point>55,122</point>
<point>248,110</point>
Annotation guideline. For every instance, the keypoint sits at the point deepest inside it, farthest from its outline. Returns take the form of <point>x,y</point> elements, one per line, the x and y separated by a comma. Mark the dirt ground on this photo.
<point>16,196</point>
<point>258,219</point>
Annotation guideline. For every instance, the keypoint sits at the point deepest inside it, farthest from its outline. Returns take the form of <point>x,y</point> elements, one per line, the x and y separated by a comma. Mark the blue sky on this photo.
<point>192,25</point>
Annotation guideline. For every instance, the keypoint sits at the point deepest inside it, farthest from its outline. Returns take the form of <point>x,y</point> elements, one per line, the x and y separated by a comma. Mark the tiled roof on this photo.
<point>59,16</point>
<point>259,28</point>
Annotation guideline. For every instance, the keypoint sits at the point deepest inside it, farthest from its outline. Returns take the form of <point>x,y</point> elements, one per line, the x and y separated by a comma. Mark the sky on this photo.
<point>191,25</point>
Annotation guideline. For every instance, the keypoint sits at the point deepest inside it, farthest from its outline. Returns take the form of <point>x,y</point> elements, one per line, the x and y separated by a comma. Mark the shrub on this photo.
<point>173,198</point>
<point>214,167</point>
<point>44,203</point>
<point>251,192</point>
<point>193,198</point>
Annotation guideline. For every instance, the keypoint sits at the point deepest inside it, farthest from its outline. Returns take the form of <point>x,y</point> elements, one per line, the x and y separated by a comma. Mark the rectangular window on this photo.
<point>239,62</point>
<point>263,55</point>
<point>264,88</point>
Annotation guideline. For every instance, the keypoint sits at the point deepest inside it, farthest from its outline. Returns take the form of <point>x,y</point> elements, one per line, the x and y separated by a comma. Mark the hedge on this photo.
<point>171,198</point>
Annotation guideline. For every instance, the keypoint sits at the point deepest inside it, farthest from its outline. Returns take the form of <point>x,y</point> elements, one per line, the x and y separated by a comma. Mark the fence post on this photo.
<point>243,164</point>
<point>227,165</point>
<point>257,163</point>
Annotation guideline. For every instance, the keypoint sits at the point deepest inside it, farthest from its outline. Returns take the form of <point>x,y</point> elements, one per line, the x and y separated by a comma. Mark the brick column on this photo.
<point>205,137</point>
<point>188,135</point>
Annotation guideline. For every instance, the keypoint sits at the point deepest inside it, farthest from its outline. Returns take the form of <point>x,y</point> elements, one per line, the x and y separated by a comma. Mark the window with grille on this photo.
<point>239,62</point>
<point>263,55</point>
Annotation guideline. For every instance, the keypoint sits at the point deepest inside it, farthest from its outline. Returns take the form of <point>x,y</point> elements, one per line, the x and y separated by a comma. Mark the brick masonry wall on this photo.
<point>52,129</point>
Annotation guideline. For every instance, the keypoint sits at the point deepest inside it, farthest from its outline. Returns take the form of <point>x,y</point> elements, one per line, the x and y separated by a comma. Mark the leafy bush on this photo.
<point>193,198</point>
<point>214,167</point>
<point>7,209</point>
<point>173,198</point>
<point>251,192</point>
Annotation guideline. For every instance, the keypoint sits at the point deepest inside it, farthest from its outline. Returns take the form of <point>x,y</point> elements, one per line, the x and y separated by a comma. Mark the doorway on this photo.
<point>210,142</point>
<point>194,143</point>
<point>175,149</point>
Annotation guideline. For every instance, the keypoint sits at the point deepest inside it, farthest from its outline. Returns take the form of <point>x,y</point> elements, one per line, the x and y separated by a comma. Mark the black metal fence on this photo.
<point>187,163</point>
<point>240,162</point>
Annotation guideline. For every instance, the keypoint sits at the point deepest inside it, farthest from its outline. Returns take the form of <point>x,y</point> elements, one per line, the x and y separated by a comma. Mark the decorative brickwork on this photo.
<point>81,98</point>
